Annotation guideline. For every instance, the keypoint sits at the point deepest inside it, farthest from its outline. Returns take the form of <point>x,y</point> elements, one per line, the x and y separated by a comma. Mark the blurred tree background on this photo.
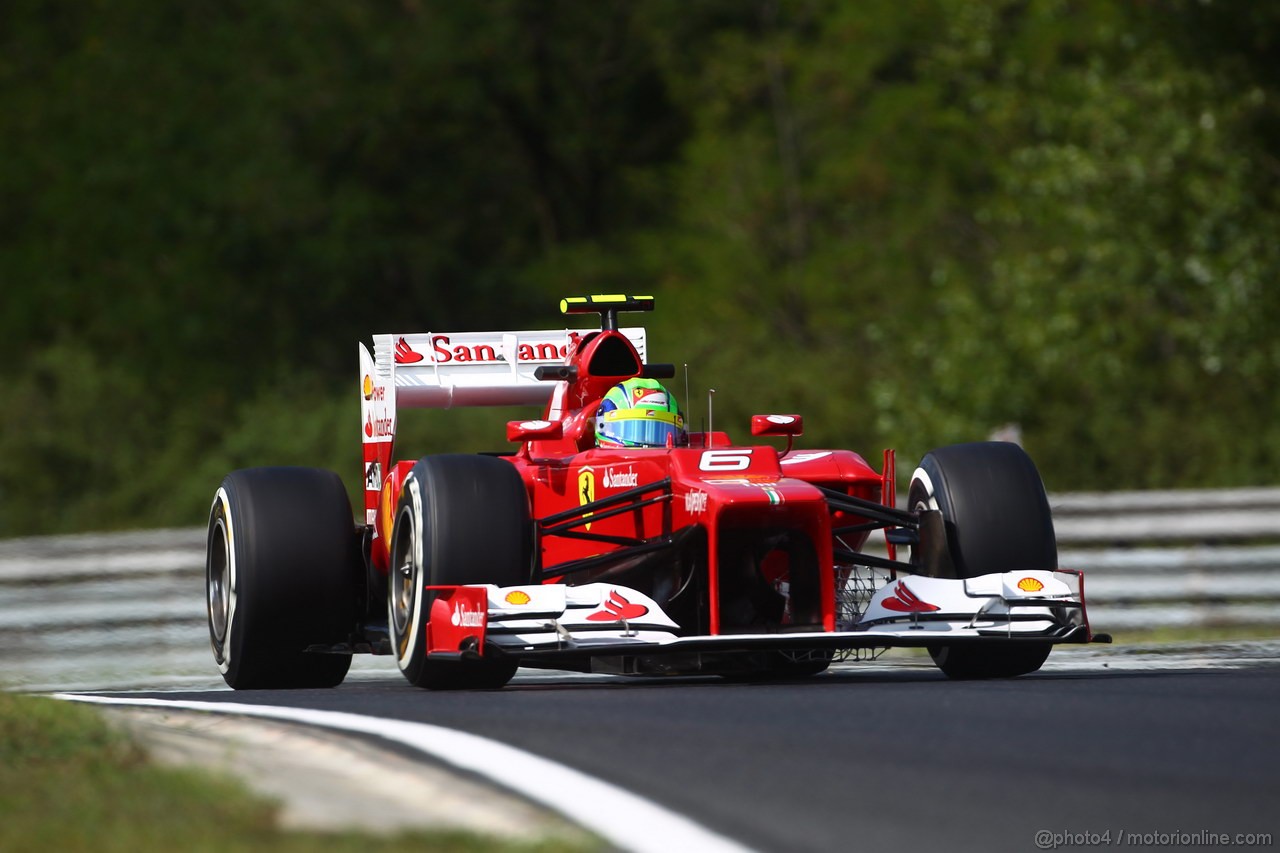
<point>912,222</point>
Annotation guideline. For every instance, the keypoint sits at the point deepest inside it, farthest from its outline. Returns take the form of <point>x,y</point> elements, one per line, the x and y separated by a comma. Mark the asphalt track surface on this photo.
<point>892,757</point>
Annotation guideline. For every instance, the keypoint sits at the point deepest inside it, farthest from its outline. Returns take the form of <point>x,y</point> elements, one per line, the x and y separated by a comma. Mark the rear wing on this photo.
<point>447,369</point>
<point>441,370</point>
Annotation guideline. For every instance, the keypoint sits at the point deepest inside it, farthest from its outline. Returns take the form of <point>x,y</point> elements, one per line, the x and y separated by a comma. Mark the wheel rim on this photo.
<point>921,498</point>
<point>218,584</point>
<point>403,587</point>
<point>917,506</point>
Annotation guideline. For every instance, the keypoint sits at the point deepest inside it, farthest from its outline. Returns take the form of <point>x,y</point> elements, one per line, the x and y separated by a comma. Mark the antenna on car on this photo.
<point>688,400</point>
<point>711,392</point>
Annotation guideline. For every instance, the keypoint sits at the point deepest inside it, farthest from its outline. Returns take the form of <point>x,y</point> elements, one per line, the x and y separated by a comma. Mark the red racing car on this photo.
<point>615,540</point>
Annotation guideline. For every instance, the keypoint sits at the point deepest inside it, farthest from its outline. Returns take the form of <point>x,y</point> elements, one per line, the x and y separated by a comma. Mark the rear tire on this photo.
<point>461,519</point>
<point>282,572</point>
<point>996,518</point>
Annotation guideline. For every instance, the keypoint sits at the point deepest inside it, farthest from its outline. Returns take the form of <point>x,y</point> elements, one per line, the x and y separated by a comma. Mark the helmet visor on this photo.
<point>640,428</point>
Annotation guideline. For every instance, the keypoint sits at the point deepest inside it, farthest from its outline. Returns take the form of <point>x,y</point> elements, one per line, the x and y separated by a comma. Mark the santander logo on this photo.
<point>904,600</point>
<point>620,479</point>
<point>617,608</point>
<point>377,427</point>
<point>464,618</point>
<point>406,354</point>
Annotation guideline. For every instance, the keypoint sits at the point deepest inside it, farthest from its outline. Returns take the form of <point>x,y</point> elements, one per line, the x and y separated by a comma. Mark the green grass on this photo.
<point>71,782</point>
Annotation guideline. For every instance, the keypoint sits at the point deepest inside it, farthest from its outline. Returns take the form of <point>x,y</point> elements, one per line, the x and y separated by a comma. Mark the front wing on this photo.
<point>552,625</point>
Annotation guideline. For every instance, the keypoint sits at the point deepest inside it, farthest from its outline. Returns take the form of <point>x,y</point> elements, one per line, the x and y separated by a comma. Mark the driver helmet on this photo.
<point>639,413</point>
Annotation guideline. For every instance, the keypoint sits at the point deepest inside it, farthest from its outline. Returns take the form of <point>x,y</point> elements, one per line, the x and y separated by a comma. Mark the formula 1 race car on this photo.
<point>614,540</point>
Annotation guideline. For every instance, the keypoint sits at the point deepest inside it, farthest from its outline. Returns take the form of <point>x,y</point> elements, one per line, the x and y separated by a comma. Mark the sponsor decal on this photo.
<point>1030,585</point>
<point>614,479</point>
<point>445,351</point>
<point>376,427</point>
<point>586,489</point>
<point>517,597</point>
<point>535,424</point>
<point>464,617</point>
<point>406,354</point>
<point>442,352</point>
<point>372,476</point>
<point>766,485</point>
<point>371,390</point>
<point>805,457</point>
<point>616,608</point>
<point>370,517</point>
<point>650,397</point>
<point>904,600</point>
<point>781,420</point>
<point>386,508</point>
<point>695,502</point>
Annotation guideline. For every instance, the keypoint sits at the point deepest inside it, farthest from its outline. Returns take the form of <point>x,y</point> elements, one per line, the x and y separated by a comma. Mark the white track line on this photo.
<point>619,816</point>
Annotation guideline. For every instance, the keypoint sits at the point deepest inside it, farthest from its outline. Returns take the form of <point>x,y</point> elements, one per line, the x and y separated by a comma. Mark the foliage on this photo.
<point>913,223</point>
<point>1024,213</point>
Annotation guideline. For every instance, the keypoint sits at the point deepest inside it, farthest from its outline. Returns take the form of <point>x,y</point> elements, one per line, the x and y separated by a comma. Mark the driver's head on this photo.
<point>639,413</point>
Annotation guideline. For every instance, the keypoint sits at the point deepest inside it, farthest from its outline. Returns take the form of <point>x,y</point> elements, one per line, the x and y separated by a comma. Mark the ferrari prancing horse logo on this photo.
<point>586,490</point>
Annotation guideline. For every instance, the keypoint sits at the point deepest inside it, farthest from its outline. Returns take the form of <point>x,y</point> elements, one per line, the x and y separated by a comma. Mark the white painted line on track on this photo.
<point>620,817</point>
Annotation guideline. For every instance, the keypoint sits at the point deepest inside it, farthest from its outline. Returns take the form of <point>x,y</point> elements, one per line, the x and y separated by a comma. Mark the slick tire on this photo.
<point>995,518</point>
<point>282,573</point>
<point>461,519</point>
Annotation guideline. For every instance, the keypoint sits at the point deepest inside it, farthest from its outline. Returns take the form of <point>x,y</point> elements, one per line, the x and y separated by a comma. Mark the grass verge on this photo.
<point>70,781</point>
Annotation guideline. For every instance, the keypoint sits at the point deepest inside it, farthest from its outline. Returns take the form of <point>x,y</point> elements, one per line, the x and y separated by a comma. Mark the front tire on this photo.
<point>461,519</point>
<point>995,518</point>
<point>282,573</point>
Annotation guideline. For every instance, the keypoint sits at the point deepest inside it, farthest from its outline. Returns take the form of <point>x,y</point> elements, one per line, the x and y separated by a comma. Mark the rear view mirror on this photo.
<point>791,425</point>
<point>534,430</point>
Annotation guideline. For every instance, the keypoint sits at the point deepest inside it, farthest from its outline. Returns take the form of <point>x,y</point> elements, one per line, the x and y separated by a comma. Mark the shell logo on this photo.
<point>387,508</point>
<point>1030,585</point>
<point>368,387</point>
<point>517,597</point>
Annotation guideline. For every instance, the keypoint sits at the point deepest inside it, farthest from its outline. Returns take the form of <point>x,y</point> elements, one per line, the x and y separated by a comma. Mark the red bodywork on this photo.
<point>727,538</point>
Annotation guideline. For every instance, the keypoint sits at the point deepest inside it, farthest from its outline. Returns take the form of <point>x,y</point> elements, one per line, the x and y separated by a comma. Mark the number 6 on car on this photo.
<point>726,460</point>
